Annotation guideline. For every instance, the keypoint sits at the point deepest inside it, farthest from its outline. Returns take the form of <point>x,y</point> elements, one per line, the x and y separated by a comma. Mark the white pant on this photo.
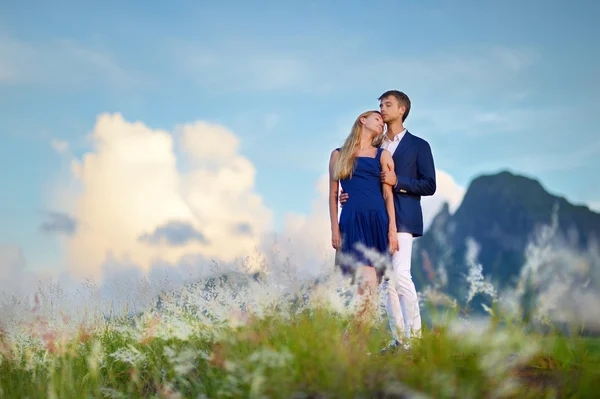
<point>402,303</point>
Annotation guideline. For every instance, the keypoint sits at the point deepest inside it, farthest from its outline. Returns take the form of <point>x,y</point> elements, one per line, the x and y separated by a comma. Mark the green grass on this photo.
<point>303,355</point>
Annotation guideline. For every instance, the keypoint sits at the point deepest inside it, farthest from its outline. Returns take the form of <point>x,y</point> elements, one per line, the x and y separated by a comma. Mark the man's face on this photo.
<point>391,109</point>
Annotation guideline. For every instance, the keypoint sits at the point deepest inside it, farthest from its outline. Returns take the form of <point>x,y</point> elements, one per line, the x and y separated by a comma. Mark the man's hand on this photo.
<point>389,177</point>
<point>343,198</point>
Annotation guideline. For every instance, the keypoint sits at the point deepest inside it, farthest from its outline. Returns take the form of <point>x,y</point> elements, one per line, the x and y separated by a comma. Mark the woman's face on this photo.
<point>374,124</point>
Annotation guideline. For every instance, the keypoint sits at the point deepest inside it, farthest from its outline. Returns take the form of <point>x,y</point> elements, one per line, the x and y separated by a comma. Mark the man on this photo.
<point>413,177</point>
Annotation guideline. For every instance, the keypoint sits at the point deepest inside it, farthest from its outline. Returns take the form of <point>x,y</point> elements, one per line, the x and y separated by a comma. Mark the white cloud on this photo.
<point>131,187</point>
<point>271,120</point>
<point>306,239</point>
<point>240,68</point>
<point>335,63</point>
<point>12,268</point>
<point>594,205</point>
<point>58,223</point>
<point>470,119</point>
<point>15,277</point>
<point>215,144</point>
<point>538,162</point>
<point>60,63</point>
<point>447,191</point>
<point>60,146</point>
<point>452,75</point>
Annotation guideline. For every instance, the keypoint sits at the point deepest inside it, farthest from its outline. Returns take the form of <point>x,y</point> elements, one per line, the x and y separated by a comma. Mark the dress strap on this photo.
<point>379,151</point>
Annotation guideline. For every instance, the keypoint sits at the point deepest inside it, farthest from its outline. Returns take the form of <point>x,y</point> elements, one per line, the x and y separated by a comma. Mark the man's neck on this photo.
<point>394,128</point>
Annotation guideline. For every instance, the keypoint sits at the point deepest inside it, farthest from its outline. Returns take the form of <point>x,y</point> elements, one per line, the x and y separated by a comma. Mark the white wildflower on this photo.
<point>129,355</point>
<point>180,329</point>
<point>111,393</point>
<point>559,282</point>
<point>267,357</point>
<point>488,310</point>
<point>96,357</point>
<point>477,283</point>
<point>437,297</point>
<point>128,331</point>
<point>499,350</point>
<point>168,392</point>
<point>442,274</point>
<point>51,391</point>
<point>183,362</point>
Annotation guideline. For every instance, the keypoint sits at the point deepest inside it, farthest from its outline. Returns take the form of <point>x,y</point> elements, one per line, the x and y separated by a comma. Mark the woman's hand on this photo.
<point>393,242</point>
<point>336,238</point>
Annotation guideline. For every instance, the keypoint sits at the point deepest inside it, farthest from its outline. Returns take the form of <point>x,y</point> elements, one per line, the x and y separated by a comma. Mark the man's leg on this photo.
<point>405,287</point>
<point>402,303</point>
<point>392,303</point>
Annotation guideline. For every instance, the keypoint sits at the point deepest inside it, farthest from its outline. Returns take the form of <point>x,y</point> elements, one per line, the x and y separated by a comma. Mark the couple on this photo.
<point>383,176</point>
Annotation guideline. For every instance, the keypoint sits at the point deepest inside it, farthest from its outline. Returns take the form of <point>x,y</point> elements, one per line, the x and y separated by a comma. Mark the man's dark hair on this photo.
<point>402,99</point>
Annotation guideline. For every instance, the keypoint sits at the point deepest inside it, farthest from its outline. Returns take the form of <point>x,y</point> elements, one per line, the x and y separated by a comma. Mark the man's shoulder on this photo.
<point>417,139</point>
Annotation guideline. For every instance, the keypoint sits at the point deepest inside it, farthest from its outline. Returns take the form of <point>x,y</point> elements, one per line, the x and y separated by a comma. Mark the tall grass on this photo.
<point>273,335</point>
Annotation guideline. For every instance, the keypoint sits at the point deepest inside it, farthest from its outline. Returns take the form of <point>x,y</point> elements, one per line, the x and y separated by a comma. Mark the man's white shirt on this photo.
<point>391,145</point>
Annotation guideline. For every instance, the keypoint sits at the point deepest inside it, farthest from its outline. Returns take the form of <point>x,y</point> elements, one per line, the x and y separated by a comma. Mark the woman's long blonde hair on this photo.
<point>344,165</point>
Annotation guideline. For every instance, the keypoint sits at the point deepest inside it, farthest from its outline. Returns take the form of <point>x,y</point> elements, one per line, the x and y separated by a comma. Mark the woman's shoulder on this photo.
<point>383,152</point>
<point>334,154</point>
<point>386,156</point>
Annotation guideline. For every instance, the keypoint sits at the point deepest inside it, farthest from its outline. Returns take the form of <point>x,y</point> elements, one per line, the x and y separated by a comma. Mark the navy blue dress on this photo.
<point>364,217</point>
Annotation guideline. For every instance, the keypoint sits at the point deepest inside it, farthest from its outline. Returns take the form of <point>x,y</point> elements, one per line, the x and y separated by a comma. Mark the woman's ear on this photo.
<point>363,120</point>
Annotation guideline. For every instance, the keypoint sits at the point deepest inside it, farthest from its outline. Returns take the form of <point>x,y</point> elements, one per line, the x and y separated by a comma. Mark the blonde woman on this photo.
<point>367,219</point>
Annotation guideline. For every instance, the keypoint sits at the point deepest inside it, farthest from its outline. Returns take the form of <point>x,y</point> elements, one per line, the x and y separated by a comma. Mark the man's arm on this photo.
<point>425,183</point>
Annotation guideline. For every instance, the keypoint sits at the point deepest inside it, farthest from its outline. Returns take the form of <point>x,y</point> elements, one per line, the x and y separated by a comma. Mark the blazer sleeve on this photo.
<point>425,183</point>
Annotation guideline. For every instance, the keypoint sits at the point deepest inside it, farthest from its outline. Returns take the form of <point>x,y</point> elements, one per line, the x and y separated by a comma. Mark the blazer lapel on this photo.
<point>404,144</point>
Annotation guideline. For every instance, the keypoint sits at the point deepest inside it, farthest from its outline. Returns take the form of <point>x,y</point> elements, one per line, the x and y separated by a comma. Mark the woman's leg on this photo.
<point>367,288</point>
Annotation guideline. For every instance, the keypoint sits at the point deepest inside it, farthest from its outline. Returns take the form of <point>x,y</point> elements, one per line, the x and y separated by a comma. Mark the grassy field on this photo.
<point>290,349</point>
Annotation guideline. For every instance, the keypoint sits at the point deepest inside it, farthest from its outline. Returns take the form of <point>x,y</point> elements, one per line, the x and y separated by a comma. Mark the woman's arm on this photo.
<point>387,163</point>
<point>333,203</point>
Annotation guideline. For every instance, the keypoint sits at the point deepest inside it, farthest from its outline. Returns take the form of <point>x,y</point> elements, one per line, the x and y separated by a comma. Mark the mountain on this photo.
<point>501,213</point>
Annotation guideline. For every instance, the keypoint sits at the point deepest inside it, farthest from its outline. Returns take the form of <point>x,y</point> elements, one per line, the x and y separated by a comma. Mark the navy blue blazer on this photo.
<point>414,167</point>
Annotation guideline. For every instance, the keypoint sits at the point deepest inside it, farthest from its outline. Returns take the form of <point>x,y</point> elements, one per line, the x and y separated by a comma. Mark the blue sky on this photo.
<point>495,85</point>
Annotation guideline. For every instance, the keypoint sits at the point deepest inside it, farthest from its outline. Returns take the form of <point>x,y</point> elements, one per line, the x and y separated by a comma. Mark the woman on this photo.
<point>367,218</point>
